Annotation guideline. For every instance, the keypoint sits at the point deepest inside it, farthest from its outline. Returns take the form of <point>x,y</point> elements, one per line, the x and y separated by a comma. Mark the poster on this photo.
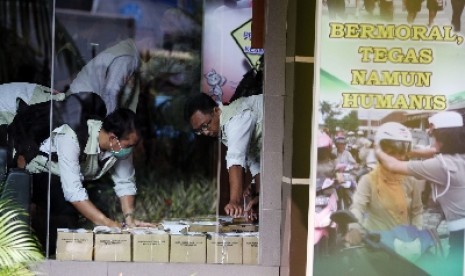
<point>378,62</point>
<point>226,51</point>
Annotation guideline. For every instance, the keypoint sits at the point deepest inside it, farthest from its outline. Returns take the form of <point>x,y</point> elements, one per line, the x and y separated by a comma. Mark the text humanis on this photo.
<point>393,101</point>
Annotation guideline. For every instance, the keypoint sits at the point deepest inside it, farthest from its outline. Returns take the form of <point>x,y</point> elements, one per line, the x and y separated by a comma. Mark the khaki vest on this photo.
<point>90,168</point>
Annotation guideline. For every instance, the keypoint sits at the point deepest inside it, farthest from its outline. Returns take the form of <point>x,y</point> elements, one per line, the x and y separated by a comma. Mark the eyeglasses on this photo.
<point>203,127</point>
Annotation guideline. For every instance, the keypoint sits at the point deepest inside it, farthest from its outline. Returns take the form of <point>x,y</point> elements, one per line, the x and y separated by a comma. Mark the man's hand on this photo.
<point>234,209</point>
<point>139,223</point>
<point>130,221</point>
<point>111,223</point>
<point>249,210</point>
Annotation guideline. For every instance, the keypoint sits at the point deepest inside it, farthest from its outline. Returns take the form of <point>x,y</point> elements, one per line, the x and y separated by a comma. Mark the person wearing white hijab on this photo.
<point>446,171</point>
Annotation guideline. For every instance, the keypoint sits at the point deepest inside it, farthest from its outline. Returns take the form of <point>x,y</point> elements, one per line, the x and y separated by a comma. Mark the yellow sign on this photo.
<point>243,37</point>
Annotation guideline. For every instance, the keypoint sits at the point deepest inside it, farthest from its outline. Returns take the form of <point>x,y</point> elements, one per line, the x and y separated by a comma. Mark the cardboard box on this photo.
<point>74,245</point>
<point>250,244</point>
<point>224,249</point>
<point>190,248</point>
<point>112,247</point>
<point>150,246</point>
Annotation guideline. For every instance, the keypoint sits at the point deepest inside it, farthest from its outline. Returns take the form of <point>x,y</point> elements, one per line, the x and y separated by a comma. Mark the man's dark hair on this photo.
<point>452,140</point>
<point>121,122</point>
<point>200,102</point>
<point>251,83</point>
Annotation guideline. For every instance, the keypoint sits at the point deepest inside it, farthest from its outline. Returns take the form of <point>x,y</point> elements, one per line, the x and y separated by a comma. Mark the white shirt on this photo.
<point>239,130</point>
<point>69,169</point>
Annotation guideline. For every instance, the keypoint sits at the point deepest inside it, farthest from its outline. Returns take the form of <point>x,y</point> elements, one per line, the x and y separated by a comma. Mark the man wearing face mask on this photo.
<point>80,152</point>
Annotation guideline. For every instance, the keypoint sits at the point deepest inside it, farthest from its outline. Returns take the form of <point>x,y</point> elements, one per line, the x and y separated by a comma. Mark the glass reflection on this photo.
<point>144,56</point>
<point>102,107</point>
<point>121,70</point>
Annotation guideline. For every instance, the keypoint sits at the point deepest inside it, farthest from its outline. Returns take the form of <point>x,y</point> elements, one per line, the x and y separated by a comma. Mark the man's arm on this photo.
<point>125,188</point>
<point>254,199</point>
<point>239,132</point>
<point>234,208</point>
<point>422,153</point>
<point>128,208</point>
<point>88,209</point>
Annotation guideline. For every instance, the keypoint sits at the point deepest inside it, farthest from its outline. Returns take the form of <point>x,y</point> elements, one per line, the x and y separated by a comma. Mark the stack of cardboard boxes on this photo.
<point>155,245</point>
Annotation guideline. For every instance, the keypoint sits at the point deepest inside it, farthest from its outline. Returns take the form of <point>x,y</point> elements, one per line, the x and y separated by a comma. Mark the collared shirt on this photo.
<point>241,132</point>
<point>66,145</point>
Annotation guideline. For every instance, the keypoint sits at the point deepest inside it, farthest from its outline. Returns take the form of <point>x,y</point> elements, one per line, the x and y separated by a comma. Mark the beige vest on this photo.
<point>90,168</point>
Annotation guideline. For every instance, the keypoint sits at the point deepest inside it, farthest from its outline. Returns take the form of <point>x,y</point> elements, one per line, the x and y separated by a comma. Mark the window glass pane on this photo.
<point>25,91</point>
<point>114,85</point>
<point>143,56</point>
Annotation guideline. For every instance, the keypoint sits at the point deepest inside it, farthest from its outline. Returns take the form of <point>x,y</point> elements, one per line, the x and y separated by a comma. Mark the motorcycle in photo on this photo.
<point>325,204</point>
<point>400,251</point>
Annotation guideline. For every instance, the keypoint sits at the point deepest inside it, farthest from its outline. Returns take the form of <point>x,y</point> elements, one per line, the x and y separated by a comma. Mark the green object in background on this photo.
<point>18,246</point>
